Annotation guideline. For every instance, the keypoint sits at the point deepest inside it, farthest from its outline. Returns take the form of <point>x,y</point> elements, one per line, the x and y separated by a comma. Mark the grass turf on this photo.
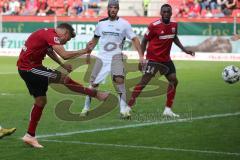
<point>201,92</point>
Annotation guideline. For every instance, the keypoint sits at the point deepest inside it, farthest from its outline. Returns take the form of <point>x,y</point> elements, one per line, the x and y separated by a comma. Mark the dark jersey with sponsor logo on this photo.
<point>36,48</point>
<point>160,37</point>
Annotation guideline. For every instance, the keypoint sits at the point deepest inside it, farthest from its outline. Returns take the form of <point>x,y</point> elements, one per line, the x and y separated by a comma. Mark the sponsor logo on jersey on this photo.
<point>173,30</point>
<point>110,34</point>
<point>170,36</point>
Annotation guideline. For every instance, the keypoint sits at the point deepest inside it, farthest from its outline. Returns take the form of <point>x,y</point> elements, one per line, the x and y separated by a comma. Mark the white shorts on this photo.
<point>103,68</point>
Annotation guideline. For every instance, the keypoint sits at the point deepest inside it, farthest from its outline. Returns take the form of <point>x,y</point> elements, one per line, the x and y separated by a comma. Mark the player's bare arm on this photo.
<point>60,50</point>
<point>144,44</point>
<point>179,44</point>
<point>137,45</point>
<point>92,44</point>
<point>54,57</point>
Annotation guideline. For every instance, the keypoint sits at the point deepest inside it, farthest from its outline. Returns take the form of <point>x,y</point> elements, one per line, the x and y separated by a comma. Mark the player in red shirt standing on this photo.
<point>159,38</point>
<point>48,41</point>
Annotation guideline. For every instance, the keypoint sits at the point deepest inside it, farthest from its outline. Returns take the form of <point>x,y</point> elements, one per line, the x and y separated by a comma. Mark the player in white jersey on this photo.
<point>6,131</point>
<point>110,34</point>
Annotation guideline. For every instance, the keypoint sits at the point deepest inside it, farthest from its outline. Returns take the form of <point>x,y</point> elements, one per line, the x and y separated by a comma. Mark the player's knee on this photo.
<point>174,82</point>
<point>58,79</point>
<point>41,101</point>
<point>146,79</point>
<point>94,85</point>
<point>118,79</point>
<point>64,79</point>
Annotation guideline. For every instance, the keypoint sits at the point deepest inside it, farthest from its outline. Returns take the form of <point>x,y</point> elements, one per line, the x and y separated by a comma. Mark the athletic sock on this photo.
<point>137,90</point>
<point>34,119</point>
<point>76,87</point>
<point>170,95</point>
<point>122,97</point>
<point>87,102</point>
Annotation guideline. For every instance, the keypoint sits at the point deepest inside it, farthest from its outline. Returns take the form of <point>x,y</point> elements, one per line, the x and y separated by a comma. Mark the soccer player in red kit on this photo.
<point>48,41</point>
<point>159,38</point>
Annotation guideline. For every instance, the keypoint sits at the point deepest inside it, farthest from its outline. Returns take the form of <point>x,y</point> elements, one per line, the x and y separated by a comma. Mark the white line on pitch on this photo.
<point>6,73</point>
<point>139,125</point>
<point>6,94</point>
<point>146,147</point>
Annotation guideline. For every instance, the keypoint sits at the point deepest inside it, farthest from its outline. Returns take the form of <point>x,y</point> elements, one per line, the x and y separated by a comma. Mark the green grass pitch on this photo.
<point>209,128</point>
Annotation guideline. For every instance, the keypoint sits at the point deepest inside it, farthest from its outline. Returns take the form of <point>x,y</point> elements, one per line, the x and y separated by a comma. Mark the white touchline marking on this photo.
<point>6,73</point>
<point>139,125</point>
<point>6,94</point>
<point>145,147</point>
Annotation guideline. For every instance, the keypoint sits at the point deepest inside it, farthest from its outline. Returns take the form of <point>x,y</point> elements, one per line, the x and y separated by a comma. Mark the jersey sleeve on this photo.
<point>129,32</point>
<point>149,33</point>
<point>52,39</point>
<point>97,32</point>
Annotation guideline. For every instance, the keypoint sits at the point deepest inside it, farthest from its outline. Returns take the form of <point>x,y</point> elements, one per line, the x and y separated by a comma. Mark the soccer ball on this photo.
<point>231,74</point>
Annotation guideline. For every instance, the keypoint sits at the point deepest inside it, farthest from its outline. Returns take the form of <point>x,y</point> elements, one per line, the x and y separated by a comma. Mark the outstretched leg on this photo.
<point>138,89</point>
<point>76,87</point>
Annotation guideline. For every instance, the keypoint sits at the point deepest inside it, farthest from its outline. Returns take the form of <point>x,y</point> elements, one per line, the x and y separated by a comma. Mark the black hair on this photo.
<point>67,27</point>
<point>113,2</point>
<point>166,5</point>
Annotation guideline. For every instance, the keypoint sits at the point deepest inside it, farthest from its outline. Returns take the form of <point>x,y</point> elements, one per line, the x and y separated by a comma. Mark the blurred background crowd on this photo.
<point>208,8</point>
<point>182,8</point>
<point>50,7</point>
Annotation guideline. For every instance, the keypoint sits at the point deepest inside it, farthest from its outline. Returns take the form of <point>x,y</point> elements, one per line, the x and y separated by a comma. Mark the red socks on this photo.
<point>170,95</point>
<point>34,118</point>
<point>137,90</point>
<point>76,87</point>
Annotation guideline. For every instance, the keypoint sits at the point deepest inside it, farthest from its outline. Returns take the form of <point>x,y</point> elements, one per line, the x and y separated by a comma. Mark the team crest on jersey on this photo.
<point>173,30</point>
<point>56,40</point>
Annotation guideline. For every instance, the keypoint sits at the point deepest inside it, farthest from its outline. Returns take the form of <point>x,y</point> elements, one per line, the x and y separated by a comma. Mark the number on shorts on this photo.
<point>150,69</point>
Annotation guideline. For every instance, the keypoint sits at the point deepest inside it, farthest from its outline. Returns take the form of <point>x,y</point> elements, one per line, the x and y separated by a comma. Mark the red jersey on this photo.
<point>160,37</point>
<point>36,48</point>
